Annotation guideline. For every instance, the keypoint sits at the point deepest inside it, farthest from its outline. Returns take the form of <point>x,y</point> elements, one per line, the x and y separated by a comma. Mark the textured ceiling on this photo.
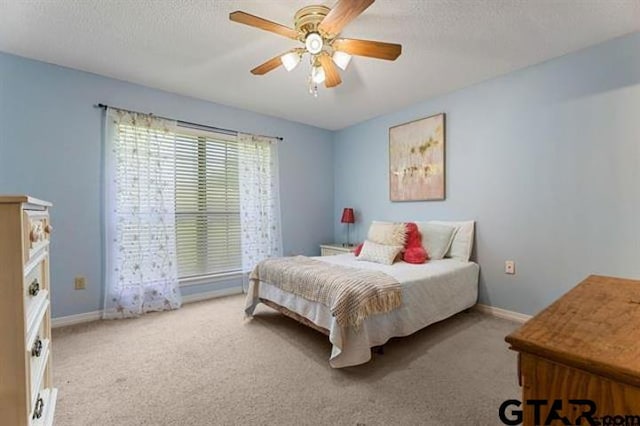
<point>190,47</point>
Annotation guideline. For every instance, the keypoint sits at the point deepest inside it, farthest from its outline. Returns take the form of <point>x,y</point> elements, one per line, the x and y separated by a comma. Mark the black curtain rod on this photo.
<point>188,124</point>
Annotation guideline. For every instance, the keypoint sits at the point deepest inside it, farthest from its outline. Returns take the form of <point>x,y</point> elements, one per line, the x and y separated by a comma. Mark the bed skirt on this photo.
<point>295,316</point>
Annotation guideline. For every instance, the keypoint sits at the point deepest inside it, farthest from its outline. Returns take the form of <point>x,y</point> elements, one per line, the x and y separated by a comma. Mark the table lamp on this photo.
<point>348,217</point>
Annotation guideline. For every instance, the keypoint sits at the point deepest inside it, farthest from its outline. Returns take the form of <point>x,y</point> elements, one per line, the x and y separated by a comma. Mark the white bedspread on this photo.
<point>430,293</point>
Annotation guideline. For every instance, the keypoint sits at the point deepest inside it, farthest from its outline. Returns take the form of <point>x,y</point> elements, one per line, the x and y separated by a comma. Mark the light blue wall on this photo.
<point>50,147</point>
<point>546,159</point>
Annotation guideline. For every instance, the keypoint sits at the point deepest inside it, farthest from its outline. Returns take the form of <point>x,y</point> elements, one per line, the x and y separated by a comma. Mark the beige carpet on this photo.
<point>205,364</point>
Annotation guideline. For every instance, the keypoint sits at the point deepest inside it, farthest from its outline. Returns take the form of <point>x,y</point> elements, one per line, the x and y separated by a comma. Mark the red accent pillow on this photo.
<point>414,252</point>
<point>415,255</point>
<point>358,249</point>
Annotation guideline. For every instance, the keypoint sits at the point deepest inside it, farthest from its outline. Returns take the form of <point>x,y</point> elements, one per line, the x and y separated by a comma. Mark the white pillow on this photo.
<point>462,243</point>
<point>378,253</point>
<point>436,239</point>
<point>387,233</point>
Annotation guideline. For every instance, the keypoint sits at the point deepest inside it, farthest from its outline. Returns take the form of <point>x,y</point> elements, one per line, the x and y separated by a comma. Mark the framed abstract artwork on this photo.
<point>417,160</point>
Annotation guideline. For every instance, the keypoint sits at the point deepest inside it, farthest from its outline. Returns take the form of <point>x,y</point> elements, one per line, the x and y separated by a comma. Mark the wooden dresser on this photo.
<point>585,346</point>
<point>27,395</point>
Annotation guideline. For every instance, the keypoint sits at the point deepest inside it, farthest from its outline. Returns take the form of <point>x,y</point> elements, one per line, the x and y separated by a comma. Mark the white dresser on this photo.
<point>27,395</point>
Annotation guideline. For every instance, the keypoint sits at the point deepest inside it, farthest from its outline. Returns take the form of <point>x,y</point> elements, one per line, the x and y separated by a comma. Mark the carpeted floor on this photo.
<point>205,364</point>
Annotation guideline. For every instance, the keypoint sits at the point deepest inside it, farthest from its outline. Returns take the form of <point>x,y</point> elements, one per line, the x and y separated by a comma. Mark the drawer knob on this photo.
<point>34,288</point>
<point>48,229</point>
<point>37,412</point>
<point>36,350</point>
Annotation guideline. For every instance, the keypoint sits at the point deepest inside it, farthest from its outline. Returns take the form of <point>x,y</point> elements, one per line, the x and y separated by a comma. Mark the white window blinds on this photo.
<point>207,204</point>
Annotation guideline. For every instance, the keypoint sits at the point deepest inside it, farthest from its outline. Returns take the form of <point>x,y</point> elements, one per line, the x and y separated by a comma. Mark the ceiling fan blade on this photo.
<point>372,49</point>
<point>270,65</point>
<point>331,74</point>
<point>263,24</point>
<point>342,13</point>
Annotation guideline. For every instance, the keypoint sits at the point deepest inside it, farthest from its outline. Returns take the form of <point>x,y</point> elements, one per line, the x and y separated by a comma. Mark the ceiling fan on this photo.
<point>319,27</point>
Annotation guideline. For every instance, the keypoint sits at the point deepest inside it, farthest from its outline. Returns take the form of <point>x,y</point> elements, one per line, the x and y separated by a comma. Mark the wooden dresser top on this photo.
<point>12,199</point>
<point>594,327</point>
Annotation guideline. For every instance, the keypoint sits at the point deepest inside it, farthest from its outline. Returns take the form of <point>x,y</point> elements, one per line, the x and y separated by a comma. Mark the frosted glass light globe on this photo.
<point>341,59</point>
<point>313,43</point>
<point>317,75</point>
<point>290,60</point>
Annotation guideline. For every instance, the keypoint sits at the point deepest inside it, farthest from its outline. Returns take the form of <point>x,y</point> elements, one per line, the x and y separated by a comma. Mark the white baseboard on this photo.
<point>211,294</point>
<point>502,313</point>
<point>75,319</point>
<point>96,315</point>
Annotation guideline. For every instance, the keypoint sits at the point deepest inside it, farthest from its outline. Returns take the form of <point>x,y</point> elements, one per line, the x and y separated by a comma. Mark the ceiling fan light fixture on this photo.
<point>341,59</point>
<point>314,43</point>
<point>318,28</point>
<point>317,75</point>
<point>290,60</point>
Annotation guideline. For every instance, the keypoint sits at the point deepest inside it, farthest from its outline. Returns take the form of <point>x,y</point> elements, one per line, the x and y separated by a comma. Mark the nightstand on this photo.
<point>333,249</point>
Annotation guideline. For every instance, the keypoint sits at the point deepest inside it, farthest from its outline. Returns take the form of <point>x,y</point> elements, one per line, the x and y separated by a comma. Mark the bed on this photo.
<point>431,292</point>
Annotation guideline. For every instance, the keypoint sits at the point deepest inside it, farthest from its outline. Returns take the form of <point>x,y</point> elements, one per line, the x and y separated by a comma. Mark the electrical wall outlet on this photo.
<point>509,267</point>
<point>80,283</point>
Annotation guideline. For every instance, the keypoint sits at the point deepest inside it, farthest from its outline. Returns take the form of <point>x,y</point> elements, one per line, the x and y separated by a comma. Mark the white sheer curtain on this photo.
<point>259,199</point>
<point>140,235</point>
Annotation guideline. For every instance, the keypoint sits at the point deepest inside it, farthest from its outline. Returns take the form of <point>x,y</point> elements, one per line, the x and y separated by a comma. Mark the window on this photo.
<point>207,204</point>
<point>174,194</point>
<point>195,176</point>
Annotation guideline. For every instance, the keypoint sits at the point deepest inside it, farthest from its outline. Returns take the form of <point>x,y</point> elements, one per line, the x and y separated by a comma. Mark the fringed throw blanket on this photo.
<point>352,294</point>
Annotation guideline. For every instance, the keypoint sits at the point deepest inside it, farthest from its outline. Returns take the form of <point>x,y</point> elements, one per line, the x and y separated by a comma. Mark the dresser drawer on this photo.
<point>330,250</point>
<point>38,349</point>
<point>35,289</point>
<point>37,230</point>
<point>43,406</point>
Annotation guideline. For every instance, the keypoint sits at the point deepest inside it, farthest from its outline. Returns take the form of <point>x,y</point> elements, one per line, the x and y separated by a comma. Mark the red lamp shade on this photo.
<point>348,216</point>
